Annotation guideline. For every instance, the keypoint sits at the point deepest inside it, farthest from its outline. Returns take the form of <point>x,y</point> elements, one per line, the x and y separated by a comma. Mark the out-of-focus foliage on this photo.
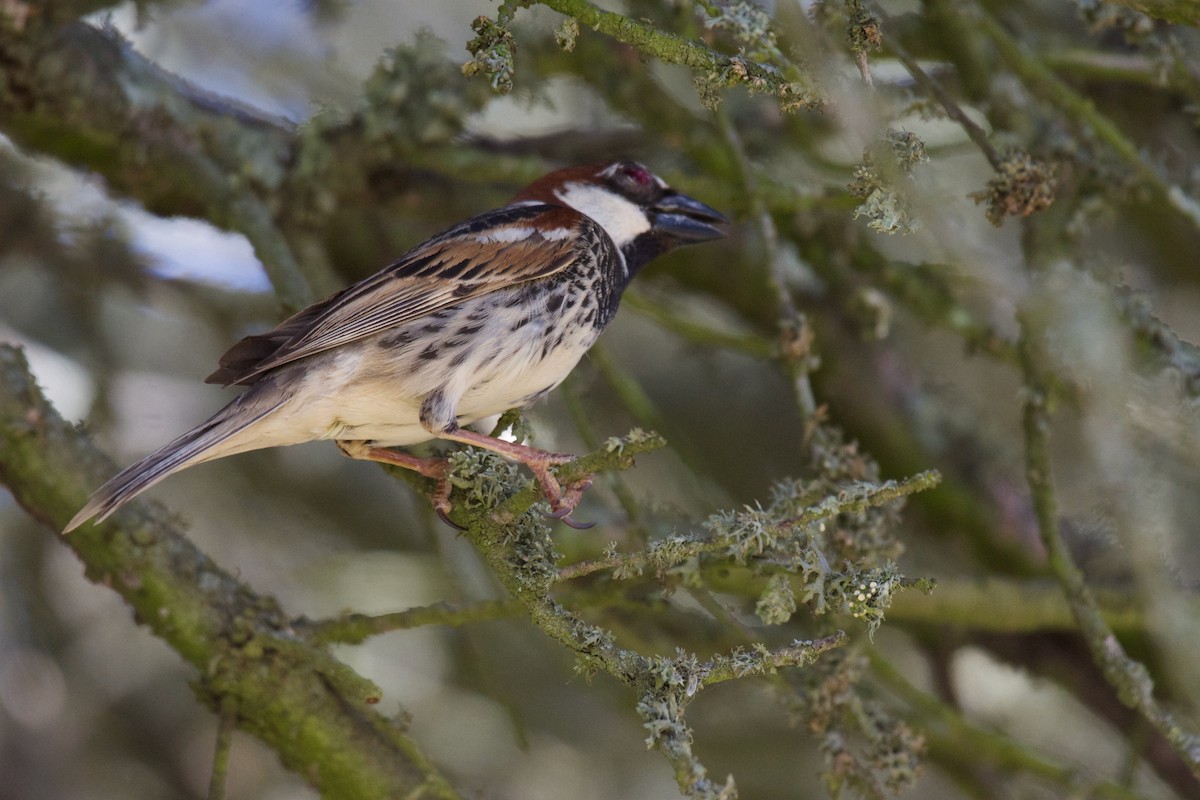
<point>752,604</point>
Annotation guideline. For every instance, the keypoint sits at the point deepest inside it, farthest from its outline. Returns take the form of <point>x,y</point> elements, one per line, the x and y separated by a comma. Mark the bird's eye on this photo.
<point>638,174</point>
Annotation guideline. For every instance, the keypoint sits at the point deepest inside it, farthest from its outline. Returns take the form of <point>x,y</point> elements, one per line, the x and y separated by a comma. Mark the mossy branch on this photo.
<point>226,725</point>
<point>1029,606</point>
<point>289,691</point>
<point>354,628</point>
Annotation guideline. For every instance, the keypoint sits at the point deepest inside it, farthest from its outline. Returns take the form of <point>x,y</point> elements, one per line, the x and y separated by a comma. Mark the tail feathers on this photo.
<point>200,444</point>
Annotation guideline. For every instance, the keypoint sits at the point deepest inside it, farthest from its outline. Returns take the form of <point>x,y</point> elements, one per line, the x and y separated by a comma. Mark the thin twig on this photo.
<point>932,87</point>
<point>696,333</point>
<point>1133,684</point>
<point>357,628</point>
<point>796,350</point>
<point>1044,83</point>
<point>954,737</point>
<point>683,548</point>
<point>226,724</point>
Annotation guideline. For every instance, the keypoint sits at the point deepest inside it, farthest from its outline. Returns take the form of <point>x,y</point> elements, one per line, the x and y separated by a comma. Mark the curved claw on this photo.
<point>444,517</point>
<point>564,515</point>
<point>560,513</point>
<point>579,526</point>
<point>563,505</point>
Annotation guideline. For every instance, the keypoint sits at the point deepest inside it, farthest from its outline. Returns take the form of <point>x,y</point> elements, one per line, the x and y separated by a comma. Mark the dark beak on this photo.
<point>688,220</point>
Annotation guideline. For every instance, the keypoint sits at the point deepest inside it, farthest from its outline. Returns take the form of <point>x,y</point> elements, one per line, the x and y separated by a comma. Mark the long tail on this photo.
<point>214,438</point>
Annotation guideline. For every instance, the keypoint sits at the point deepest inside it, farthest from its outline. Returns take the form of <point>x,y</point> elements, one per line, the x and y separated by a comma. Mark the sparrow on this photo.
<point>490,315</point>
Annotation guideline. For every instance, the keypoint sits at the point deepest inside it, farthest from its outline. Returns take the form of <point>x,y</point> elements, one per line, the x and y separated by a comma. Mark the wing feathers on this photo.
<point>488,253</point>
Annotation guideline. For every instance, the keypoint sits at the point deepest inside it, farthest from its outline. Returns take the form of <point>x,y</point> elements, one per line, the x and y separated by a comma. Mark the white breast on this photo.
<point>376,394</point>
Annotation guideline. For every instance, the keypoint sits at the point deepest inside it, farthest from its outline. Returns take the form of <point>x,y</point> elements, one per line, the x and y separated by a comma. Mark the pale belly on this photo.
<point>375,392</point>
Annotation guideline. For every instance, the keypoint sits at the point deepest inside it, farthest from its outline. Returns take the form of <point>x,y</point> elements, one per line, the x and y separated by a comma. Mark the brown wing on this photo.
<point>492,251</point>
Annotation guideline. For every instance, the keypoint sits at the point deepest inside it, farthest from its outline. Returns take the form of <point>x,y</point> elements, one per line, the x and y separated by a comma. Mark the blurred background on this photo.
<point>176,175</point>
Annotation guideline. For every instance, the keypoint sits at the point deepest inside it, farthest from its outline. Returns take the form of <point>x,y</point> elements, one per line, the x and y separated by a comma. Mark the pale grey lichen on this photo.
<point>880,181</point>
<point>566,34</point>
<point>493,53</point>
<point>777,602</point>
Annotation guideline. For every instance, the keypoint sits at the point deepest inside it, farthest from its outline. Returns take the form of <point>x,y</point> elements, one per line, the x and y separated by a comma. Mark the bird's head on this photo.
<point>637,209</point>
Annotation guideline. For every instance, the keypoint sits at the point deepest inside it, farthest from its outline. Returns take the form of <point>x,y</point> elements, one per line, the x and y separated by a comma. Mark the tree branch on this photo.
<point>84,96</point>
<point>357,628</point>
<point>1043,83</point>
<point>289,691</point>
<point>1182,12</point>
<point>1133,684</point>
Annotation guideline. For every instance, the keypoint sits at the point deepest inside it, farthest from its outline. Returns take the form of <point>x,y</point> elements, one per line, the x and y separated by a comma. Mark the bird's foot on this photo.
<point>441,500</point>
<point>562,499</point>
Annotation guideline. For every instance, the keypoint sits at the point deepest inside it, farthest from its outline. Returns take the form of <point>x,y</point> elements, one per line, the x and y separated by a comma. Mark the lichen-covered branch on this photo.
<point>1166,345</point>
<point>666,553</point>
<point>713,70</point>
<point>498,510</point>
<point>668,686</point>
<point>671,49</point>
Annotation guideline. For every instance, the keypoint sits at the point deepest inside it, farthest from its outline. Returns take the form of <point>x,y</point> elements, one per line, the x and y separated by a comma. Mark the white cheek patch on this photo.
<point>623,220</point>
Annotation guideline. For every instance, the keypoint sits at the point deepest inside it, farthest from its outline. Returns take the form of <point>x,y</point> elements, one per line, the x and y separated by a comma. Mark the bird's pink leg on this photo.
<point>562,501</point>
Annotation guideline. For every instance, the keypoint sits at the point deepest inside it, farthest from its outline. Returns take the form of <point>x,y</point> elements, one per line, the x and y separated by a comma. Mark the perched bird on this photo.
<point>490,315</point>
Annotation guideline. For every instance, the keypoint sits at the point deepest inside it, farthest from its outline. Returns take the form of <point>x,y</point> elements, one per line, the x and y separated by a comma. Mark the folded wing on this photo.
<point>493,251</point>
